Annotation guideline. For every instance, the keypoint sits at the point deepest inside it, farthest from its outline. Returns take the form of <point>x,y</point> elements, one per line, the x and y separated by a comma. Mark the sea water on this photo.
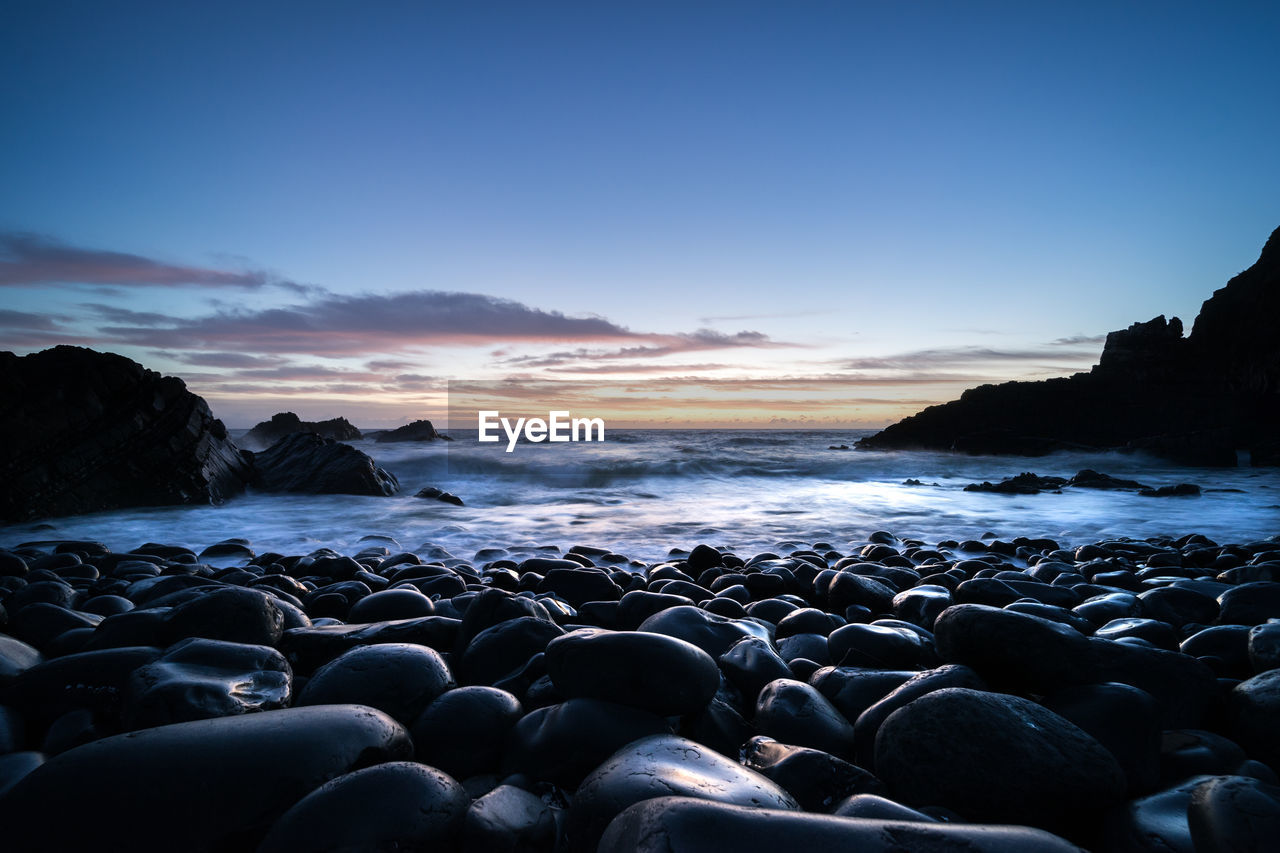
<point>643,492</point>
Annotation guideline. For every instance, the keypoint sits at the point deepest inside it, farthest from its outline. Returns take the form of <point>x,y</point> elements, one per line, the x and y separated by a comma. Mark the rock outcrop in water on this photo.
<point>416,431</point>
<point>84,431</point>
<point>282,424</point>
<point>306,462</point>
<point>1196,399</point>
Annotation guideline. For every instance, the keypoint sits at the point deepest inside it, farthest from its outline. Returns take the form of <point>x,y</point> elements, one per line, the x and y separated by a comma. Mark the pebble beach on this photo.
<point>977,694</point>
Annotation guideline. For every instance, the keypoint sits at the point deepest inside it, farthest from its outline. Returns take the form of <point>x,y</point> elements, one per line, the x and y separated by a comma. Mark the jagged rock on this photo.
<point>1234,337</point>
<point>1153,351</point>
<point>416,431</point>
<point>1090,479</point>
<point>1026,483</point>
<point>306,462</point>
<point>85,431</point>
<point>1181,490</point>
<point>1195,400</point>
<point>439,494</point>
<point>267,433</point>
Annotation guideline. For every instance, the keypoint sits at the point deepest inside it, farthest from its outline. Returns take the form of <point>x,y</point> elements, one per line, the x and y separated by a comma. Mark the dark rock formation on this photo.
<point>281,424</point>
<point>416,431</point>
<point>439,494</point>
<point>84,431</point>
<point>1026,483</point>
<point>1196,400</point>
<point>306,462</point>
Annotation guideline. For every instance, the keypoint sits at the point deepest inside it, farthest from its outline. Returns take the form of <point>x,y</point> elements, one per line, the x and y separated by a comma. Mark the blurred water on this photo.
<point>643,492</point>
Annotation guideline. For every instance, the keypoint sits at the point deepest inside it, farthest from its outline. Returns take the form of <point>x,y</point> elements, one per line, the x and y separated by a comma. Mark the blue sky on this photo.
<point>334,207</point>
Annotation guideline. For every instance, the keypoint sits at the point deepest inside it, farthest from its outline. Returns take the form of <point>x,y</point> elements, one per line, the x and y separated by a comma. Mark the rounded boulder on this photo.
<point>658,673</point>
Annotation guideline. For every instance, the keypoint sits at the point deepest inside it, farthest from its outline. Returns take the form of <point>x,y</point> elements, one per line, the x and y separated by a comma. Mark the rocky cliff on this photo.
<point>1197,399</point>
<point>85,431</point>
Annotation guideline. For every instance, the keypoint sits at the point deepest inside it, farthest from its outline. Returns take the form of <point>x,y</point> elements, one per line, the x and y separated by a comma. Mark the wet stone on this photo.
<point>1013,649</point>
<point>795,713</point>
<point>1158,634</point>
<point>14,766</point>
<point>1250,603</point>
<point>877,646</point>
<point>93,680</point>
<point>1157,822</point>
<point>1264,646</point>
<point>234,614</point>
<point>687,825</point>
<point>811,647</point>
<point>638,605</point>
<point>709,632</point>
<point>399,679</point>
<point>1182,686</point>
<point>1121,718</point>
<point>818,780</point>
<point>562,743</point>
<point>400,805</point>
<point>875,807</point>
<point>198,679</point>
<point>655,672</point>
<point>1223,648</point>
<point>1195,752</point>
<point>391,604</point>
<point>662,766</point>
<point>1254,708</point>
<point>1234,814</point>
<point>16,657</point>
<point>867,724</point>
<point>508,820</point>
<point>997,758</point>
<point>41,623</point>
<point>500,650</point>
<point>311,647</point>
<point>462,732</point>
<point>207,785</point>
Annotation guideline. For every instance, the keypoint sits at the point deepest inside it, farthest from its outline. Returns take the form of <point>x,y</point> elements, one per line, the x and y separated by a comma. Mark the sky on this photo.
<point>695,213</point>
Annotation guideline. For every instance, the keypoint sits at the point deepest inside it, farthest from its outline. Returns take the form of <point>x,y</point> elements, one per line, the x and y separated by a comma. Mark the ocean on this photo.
<point>641,493</point>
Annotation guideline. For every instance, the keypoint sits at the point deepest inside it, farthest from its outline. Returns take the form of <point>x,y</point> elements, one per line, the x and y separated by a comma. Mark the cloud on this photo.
<point>389,364</point>
<point>224,359</point>
<point>955,356</point>
<point>639,367</point>
<point>1077,340</point>
<point>31,322</point>
<point>33,259</point>
<point>115,314</point>
<point>372,322</point>
<point>702,339</point>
